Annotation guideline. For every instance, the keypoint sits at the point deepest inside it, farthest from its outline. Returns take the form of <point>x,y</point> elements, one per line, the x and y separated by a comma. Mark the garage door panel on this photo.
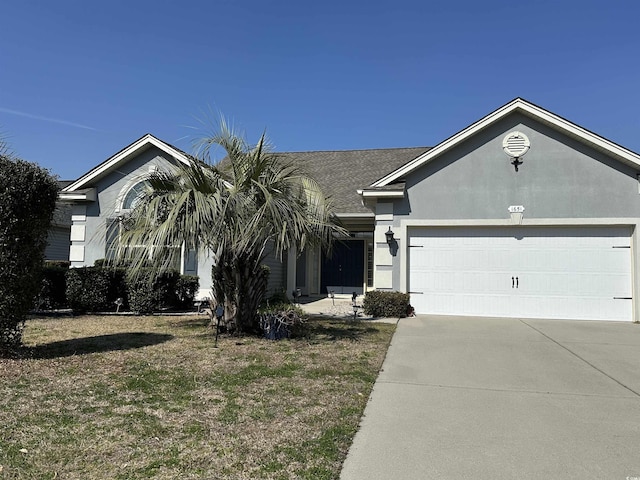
<point>568,272</point>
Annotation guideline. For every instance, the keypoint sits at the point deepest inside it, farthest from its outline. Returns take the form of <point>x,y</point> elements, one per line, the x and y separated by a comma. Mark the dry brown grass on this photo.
<point>150,397</point>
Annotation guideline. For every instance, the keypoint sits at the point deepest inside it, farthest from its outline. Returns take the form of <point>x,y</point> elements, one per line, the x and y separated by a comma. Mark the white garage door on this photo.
<point>572,273</point>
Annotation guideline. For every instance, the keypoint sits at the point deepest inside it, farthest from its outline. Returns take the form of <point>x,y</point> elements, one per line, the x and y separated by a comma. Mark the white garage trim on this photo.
<point>405,225</point>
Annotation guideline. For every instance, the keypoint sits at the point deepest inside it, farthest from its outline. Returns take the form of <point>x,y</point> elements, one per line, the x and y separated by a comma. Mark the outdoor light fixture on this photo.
<point>389,235</point>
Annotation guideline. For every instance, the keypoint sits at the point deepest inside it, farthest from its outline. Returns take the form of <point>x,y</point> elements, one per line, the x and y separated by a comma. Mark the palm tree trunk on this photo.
<point>251,288</point>
<point>240,285</point>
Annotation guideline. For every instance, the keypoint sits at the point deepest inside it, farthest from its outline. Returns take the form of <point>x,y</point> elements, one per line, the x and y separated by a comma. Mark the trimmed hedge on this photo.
<point>88,289</point>
<point>386,304</point>
<point>27,201</point>
<point>149,292</point>
<point>92,289</point>
<point>52,295</point>
<point>186,290</point>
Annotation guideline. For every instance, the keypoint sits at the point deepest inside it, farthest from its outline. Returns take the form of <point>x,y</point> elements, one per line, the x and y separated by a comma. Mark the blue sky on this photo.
<point>80,80</point>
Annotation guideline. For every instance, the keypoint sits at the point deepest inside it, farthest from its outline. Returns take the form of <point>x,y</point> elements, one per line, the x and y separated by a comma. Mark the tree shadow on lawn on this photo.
<point>315,329</point>
<point>332,331</point>
<point>96,344</point>
<point>192,323</point>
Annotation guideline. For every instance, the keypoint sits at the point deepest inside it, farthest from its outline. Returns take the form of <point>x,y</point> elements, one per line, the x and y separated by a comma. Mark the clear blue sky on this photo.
<point>79,80</point>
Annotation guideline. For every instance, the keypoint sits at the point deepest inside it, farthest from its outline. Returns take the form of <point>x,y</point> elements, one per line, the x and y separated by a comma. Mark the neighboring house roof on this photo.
<point>124,155</point>
<point>341,173</point>
<point>61,215</point>
<point>524,107</point>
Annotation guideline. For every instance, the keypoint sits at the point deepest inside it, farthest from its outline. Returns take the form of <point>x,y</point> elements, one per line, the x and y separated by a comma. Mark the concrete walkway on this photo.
<point>339,307</point>
<point>471,398</point>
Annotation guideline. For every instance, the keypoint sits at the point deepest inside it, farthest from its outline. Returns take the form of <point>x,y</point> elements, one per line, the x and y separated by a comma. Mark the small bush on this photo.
<point>150,292</point>
<point>143,297</point>
<point>278,297</point>
<point>386,304</point>
<point>57,263</point>
<point>280,324</point>
<point>52,293</point>
<point>280,318</point>
<point>117,287</point>
<point>88,289</point>
<point>186,290</point>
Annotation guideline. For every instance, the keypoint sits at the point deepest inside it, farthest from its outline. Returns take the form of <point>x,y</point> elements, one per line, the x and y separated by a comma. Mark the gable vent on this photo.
<point>516,144</point>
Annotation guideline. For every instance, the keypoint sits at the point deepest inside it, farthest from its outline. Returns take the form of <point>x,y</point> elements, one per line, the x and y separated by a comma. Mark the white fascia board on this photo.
<point>124,155</point>
<point>601,143</point>
<point>530,110</point>
<point>86,195</point>
<point>382,194</point>
<point>355,215</point>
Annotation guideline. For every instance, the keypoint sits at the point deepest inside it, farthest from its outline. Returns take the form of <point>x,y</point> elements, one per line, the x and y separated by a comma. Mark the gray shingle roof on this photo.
<point>342,173</point>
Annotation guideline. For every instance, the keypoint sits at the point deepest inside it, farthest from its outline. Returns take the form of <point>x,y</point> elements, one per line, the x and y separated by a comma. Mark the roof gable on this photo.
<point>529,109</point>
<point>123,156</point>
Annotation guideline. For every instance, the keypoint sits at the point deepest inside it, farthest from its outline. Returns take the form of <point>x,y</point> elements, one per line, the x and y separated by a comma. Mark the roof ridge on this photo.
<point>356,150</point>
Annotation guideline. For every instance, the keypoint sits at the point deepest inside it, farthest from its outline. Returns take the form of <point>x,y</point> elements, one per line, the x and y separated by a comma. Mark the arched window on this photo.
<point>134,195</point>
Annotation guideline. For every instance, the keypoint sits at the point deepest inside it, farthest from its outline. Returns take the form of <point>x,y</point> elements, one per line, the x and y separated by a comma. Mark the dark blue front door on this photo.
<point>345,268</point>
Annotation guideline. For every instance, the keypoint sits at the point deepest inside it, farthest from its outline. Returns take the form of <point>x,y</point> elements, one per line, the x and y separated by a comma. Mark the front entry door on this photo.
<point>344,271</point>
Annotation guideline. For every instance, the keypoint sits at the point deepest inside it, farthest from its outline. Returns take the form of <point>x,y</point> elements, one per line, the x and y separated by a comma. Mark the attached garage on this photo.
<point>522,214</point>
<point>523,272</point>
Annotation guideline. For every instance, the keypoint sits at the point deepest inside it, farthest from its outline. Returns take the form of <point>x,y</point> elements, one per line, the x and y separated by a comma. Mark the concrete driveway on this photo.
<point>480,398</point>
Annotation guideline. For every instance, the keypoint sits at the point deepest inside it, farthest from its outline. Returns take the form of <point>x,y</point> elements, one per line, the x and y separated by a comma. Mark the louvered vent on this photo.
<point>516,144</point>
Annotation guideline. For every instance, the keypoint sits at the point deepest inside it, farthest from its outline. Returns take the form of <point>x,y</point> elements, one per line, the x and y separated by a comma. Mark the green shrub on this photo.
<point>186,290</point>
<point>386,304</point>
<point>146,293</point>
<point>143,297</point>
<point>88,289</point>
<point>149,292</point>
<point>278,297</point>
<point>117,288</point>
<point>52,293</point>
<point>166,284</point>
<point>27,201</point>
<point>281,307</point>
<point>57,263</point>
<point>94,289</point>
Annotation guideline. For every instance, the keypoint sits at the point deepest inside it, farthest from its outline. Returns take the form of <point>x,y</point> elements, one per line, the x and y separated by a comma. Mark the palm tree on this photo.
<point>249,206</point>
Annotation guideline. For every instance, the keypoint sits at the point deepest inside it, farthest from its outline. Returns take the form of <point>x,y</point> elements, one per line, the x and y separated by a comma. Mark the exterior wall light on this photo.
<point>389,235</point>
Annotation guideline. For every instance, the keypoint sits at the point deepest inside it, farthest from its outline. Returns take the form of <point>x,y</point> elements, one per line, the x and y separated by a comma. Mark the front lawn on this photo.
<point>150,397</point>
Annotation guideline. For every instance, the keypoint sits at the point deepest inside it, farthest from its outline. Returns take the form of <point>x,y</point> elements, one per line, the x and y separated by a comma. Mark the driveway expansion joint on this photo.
<point>637,394</point>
